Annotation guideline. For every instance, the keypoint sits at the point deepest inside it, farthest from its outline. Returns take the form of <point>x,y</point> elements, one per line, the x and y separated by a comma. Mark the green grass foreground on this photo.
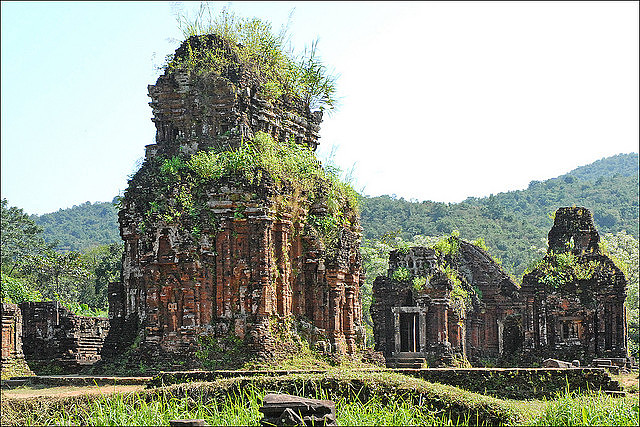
<point>361,399</point>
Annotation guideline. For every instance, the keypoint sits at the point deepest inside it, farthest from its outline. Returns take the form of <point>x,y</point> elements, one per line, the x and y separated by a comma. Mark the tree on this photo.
<point>104,262</point>
<point>14,290</point>
<point>59,276</point>
<point>20,237</point>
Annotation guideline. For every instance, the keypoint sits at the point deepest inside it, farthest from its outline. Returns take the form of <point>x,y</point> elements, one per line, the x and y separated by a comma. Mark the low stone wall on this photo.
<point>519,383</point>
<point>57,341</point>
<point>80,381</point>
<point>511,383</point>
<point>177,377</point>
<point>13,363</point>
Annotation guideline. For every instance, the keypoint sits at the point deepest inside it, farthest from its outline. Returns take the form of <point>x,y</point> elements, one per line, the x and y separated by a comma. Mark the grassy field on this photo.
<point>361,399</point>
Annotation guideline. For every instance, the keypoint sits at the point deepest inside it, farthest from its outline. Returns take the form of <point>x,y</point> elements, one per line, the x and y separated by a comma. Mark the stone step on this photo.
<point>406,362</point>
<point>96,340</point>
<point>411,359</point>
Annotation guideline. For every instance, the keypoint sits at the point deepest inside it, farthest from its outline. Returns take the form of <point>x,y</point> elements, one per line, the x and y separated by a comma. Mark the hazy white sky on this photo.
<point>439,101</point>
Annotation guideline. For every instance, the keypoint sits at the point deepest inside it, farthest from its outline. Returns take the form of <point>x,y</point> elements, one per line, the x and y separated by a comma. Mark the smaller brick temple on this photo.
<point>55,339</point>
<point>440,306</point>
<point>574,297</point>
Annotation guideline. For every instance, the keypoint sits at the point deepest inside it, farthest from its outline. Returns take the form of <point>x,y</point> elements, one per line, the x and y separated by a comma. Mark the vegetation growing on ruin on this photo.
<point>221,353</point>
<point>447,248</point>
<point>292,172</point>
<point>460,297</point>
<point>401,274</point>
<point>252,43</point>
<point>559,269</point>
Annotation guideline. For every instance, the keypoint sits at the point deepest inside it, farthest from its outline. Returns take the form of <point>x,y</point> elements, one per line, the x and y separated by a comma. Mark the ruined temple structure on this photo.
<point>436,307</point>
<point>55,339</point>
<point>575,296</point>
<point>241,265</point>
<point>13,362</point>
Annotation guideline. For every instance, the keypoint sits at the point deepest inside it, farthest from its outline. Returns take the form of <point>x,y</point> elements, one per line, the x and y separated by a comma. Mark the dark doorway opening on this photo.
<point>409,336</point>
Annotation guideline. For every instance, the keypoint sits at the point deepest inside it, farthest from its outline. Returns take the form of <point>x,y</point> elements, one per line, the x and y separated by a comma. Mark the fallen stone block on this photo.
<point>288,410</point>
<point>555,363</point>
<point>188,423</point>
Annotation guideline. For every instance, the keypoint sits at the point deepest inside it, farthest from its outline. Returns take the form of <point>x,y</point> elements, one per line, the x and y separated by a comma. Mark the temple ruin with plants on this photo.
<point>237,241</point>
<point>239,246</point>
<point>573,299</point>
<point>451,303</point>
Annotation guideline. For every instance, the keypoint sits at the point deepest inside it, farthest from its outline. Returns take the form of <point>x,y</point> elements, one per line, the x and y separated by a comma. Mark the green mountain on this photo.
<point>620,164</point>
<point>515,224</point>
<point>81,226</point>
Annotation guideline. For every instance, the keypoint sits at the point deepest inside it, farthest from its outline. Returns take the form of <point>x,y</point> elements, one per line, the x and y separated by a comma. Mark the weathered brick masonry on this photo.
<point>570,307</point>
<point>255,265</point>
<point>53,336</point>
<point>429,321</point>
<point>13,363</point>
<point>582,317</point>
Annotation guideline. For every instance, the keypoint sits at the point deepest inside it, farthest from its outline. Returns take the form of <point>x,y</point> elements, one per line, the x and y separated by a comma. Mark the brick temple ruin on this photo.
<point>442,320</point>
<point>477,312</point>
<point>46,337</point>
<point>242,267</point>
<point>583,317</point>
<point>257,268</point>
<point>56,339</point>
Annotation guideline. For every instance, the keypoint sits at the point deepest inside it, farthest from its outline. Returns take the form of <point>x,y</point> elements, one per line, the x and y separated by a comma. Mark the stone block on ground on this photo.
<point>188,423</point>
<point>555,363</point>
<point>288,410</point>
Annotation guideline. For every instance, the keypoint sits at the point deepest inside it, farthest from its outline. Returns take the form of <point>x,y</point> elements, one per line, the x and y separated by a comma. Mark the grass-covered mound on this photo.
<point>361,399</point>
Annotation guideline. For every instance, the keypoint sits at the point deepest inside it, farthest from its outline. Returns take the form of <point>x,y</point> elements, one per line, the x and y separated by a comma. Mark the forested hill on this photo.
<point>515,224</point>
<point>81,227</point>
<point>621,164</point>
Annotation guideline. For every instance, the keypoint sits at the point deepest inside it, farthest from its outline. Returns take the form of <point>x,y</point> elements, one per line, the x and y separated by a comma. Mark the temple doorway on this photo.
<point>409,332</point>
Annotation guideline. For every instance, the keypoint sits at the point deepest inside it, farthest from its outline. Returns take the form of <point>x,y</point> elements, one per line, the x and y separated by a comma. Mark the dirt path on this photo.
<point>64,391</point>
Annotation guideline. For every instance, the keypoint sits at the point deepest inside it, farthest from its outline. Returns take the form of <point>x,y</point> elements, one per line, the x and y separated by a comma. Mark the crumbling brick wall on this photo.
<point>256,263</point>
<point>13,363</point>
<point>193,111</point>
<point>575,296</point>
<point>52,336</point>
<point>410,320</point>
<point>492,328</point>
<point>474,326</point>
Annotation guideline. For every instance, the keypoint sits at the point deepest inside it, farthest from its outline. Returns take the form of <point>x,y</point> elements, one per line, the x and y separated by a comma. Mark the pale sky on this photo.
<point>439,101</point>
